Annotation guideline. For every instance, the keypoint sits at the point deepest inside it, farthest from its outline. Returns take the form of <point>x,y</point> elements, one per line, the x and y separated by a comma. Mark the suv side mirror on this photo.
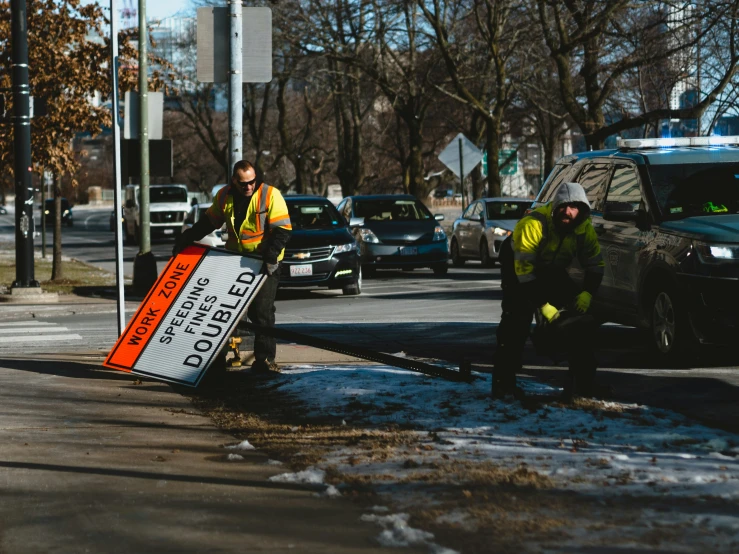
<point>476,217</point>
<point>439,217</point>
<point>356,222</point>
<point>625,211</point>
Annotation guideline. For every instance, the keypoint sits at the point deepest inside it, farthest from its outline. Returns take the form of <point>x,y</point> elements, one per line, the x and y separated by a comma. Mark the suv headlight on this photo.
<point>368,236</point>
<point>500,232</point>
<point>717,253</point>
<point>439,233</point>
<point>348,247</point>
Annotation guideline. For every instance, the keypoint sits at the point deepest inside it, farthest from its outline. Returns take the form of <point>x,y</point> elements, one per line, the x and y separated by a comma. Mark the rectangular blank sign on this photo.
<point>188,316</point>
<point>213,45</point>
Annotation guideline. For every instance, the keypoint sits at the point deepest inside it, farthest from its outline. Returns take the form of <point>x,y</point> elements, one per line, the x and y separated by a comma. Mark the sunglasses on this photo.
<point>247,183</point>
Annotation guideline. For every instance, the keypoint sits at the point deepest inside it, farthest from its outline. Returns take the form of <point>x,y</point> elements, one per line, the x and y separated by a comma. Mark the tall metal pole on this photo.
<point>144,265</point>
<point>235,143</point>
<point>461,175</point>
<point>145,240</point>
<point>24,269</point>
<point>117,200</point>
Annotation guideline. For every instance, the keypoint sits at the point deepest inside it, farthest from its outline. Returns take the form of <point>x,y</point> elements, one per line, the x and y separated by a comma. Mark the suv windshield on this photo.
<point>391,210</point>
<point>686,190</point>
<point>314,215</point>
<point>166,194</point>
<point>505,210</point>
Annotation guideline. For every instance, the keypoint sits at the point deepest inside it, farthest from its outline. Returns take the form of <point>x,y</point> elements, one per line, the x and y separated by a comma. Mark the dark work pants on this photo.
<point>262,312</point>
<point>574,333</point>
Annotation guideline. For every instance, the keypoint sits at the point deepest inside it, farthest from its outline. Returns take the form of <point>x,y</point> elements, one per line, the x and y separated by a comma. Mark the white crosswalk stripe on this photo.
<point>23,332</point>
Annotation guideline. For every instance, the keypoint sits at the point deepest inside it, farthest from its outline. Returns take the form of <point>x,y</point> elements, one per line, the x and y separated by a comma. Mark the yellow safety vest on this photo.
<point>537,244</point>
<point>267,209</point>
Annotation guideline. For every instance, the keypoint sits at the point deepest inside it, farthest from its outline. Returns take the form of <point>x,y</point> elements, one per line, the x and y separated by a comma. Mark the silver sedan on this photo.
<point>482,228</point>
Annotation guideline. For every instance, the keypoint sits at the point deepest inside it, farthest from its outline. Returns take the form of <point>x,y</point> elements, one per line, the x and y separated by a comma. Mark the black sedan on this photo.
<point>396,231</point>
<point>48,212</point>
<point>321,252</point>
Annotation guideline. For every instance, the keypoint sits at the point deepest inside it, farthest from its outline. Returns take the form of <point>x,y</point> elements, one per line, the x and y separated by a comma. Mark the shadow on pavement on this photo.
<point>157,476</point>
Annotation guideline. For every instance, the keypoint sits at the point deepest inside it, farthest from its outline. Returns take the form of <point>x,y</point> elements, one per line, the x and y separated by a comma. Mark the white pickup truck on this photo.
<point>168,208</point>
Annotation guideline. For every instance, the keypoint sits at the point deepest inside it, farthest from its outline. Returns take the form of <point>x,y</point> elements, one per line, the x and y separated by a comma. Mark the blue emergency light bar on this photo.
<point>681,141</point>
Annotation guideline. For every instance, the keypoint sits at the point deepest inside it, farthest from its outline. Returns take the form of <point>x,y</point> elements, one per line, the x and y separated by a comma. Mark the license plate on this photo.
<point>409,251</point>
<point>301,270</point>
<point>169,231</point>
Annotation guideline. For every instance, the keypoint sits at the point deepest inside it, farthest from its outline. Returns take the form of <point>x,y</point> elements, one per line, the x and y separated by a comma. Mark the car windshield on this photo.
<point>505,210</point>
<point>391,210</point>
<point>314,215</point>
<point>685,190</point>
<point>167,194</point>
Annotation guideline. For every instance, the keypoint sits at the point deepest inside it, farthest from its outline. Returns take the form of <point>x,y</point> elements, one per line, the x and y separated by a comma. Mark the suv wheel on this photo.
<point>457,260</point>
<point>672,336</point>
<point>485,258</point>
<point>355,288</point>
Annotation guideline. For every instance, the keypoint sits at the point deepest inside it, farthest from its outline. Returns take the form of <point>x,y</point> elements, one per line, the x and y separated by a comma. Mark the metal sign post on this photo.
<point>117,189</point>
<point>235,91</point>
<point>459,150</point>
<point>24,268</point>
<point>248,52</point>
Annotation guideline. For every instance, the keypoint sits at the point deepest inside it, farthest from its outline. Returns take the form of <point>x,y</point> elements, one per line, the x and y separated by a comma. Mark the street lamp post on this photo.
<point>24,269</point>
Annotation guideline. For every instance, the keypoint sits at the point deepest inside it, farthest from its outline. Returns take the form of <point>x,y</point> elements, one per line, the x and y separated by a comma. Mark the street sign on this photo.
<point>510,168</point>
<point>160,159</point>
<point>450,156</point>
<point>213,40</point>
<point>188,316</point>
<point>155,105</point>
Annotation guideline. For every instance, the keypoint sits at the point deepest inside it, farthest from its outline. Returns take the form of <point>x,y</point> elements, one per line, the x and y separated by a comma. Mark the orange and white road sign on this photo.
<point>188,315</point>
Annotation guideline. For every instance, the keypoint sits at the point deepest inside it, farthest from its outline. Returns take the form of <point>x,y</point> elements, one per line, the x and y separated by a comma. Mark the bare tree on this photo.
<point>597,44</point>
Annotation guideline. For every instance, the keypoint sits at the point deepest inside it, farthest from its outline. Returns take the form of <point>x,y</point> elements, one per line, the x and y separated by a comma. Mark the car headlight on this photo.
<point>348,247</point>
<point>717,253</point>
<point>439,233</point>
<point>65,212</point>
<point>46,212</point>
<point>368,236</point>
<point>501,232</point>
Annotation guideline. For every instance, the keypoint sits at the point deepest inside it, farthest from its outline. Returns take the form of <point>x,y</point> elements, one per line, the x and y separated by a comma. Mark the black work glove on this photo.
<point>184,240</point>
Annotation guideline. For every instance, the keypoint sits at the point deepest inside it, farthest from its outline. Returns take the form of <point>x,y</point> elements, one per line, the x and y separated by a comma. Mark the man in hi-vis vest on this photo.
<point>256,217</point>
<point>534,262</point>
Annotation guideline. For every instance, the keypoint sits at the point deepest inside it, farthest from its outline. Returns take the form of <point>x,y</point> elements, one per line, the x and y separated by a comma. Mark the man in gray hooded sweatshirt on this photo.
<point>534,262</point>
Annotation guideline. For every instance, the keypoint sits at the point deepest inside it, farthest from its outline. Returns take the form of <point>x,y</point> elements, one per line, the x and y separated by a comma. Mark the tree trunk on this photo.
<point>492,136</point>
<point>416,185</point>
<point>57,272</point>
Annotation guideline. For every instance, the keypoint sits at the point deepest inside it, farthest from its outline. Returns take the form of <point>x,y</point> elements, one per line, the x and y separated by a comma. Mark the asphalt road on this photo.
<point>451,318</point>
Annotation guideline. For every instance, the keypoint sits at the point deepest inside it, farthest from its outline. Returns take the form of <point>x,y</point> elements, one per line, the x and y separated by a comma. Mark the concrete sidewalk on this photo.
<point>91,462</point>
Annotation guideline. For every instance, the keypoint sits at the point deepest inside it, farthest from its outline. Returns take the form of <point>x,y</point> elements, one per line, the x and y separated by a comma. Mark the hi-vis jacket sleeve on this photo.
<point>278,225</point>
<point>591,260</point>
<point>527,236</point>
<point>216,212</point>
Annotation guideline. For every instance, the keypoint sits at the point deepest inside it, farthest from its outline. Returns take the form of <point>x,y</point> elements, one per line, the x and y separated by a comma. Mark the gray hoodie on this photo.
<point>572,193</point>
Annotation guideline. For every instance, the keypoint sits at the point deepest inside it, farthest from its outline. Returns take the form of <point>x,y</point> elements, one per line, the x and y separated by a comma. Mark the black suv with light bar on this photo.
<point>321,251</point>
<point>666,212</point>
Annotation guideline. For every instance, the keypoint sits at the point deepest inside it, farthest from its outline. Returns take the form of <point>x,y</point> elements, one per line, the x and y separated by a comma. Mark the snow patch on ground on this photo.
<point>243,445</point>
<point>310,476</point>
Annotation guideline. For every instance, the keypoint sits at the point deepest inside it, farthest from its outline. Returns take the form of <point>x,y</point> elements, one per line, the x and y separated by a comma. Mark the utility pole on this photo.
<point>235,143</point>
<point>144,266</point>
<point>24,269</point>
<point>117,189</point>
<point>461,175</point>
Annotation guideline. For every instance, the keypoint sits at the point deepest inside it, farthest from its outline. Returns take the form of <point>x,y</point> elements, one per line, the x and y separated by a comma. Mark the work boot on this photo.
<point>265,367</point>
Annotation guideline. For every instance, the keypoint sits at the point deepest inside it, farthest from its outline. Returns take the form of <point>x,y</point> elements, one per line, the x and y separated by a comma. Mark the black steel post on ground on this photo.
<point>24,270</point>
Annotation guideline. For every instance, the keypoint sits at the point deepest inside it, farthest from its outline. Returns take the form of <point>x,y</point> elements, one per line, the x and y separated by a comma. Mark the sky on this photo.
<point>155,9</point>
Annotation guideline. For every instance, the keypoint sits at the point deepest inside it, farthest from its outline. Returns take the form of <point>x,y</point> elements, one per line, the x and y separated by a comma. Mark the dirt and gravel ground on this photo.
<point>482,503</point>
